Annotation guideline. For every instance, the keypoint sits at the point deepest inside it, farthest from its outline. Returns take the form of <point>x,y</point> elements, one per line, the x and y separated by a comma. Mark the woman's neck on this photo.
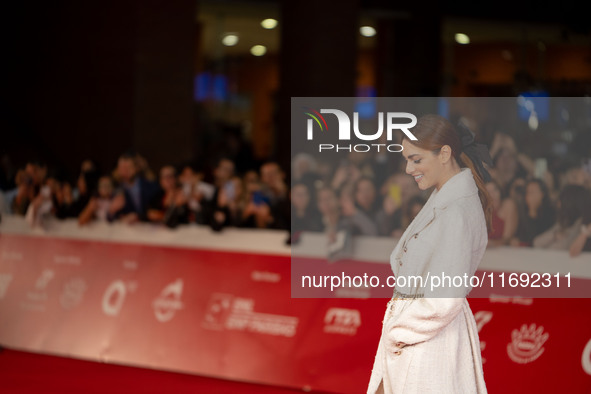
<point>453,170</point>
<point>533,211</point>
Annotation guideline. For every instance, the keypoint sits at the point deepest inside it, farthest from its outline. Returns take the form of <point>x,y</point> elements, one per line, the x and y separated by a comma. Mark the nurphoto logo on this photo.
<point>392,123</point>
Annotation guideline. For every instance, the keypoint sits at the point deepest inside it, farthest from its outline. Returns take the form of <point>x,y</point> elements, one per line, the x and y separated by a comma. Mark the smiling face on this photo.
<point>424,166</point>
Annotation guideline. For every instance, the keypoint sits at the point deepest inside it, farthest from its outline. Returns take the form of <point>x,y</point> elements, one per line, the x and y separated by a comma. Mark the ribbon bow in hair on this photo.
<point>478,153</point>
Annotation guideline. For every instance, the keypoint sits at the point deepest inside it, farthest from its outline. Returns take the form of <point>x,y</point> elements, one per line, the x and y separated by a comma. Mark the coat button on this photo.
<point>397,352</point>
<point>416,235</point>
<point>405,249</point>
<point>398,344</point>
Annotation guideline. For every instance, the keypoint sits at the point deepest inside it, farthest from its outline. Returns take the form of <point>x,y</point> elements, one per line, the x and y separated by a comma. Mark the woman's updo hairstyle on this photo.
<point>433,132</point>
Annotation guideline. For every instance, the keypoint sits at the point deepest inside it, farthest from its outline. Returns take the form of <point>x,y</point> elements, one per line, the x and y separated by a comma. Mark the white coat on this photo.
<point>430,344</point>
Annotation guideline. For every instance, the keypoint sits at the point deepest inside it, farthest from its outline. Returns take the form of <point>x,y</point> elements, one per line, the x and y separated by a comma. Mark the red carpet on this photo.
<point>22,372</point>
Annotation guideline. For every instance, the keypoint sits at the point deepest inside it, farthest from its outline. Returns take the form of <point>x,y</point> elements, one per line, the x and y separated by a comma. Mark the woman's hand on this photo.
<point>390,206</point>
<point>348,206</point>
<point>515,242</point>
<point>117,204</point>
<point>578,244</point>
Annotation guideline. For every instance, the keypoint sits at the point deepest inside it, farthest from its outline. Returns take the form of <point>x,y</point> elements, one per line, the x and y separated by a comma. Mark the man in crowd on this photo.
<point>131,202</point>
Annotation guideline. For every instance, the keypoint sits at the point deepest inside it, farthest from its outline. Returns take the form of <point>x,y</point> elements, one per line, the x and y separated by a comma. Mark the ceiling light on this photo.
<point>230,40</point>
<point>269,23</point>
<point>462,38</point>
<point>367,31</point>
<point>258,50</point>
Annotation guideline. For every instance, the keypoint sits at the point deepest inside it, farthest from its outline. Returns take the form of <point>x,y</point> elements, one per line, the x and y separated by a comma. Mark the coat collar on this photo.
<point>460,185</point>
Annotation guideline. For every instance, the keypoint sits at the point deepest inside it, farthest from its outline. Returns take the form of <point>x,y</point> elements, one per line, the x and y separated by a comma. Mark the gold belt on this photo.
<point>398,295</point>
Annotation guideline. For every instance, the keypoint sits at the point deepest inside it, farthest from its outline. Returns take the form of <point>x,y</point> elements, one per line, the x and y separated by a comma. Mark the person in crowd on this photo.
<point>405,215</point>
<point>517,191</point>
<point>86,186</point>
<point>582,242</point>
<point>37,171</point>
<point>396,193</point>
<point>28,181</point>
<point>304,170</point>
<point>275,191</point>
<point>41,206</point>
<point>365,197</point>
<point>217,212</point>
<point>143,168</point>
<point>61,196</point>
<point>504,217</point>
<point>363,161</point>
<point>355,220</point>
<point>506,167</point>
<point>198,193</point>
<point>169,204</point>
<point>329,209</point>
<point>388,219</point>
<point>99,204</point>
<point>131,202</point>
<point>538,214</point>
<point>346,174</point>
<point>577,175</point>
<point>304,214</point>
<point>574,212</point>
<point>18,199</point>
<point>253,210</point>
<point>223,173</point>
<point>227,209</point>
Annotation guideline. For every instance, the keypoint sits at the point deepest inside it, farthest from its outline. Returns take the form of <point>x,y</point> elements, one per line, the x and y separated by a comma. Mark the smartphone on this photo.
<point>394,192</point>
<point>541,166</point>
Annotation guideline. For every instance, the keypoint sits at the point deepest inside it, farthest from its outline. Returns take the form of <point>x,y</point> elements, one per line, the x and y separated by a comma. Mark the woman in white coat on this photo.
<point>429,341</point>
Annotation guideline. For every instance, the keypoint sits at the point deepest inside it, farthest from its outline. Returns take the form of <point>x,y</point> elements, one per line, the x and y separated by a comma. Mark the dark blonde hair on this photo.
<point>433,132</point>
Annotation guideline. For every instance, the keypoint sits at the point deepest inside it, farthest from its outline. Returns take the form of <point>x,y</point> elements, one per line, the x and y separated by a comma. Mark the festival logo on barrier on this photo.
<point>11,255</point>
<point>44,279</point>
<point>169,301</point>
<point>115,294</point>
<point>217,311</point>
<point>35,299</point>
<point>226,311</point>
<point>527,344</point>
<point>265,276</point>
<point>482,317</point>
<point>73,293</point>
<point>70,259</point>
<point>586,358</point>
<point>5,280</point>
<point>342,321</point>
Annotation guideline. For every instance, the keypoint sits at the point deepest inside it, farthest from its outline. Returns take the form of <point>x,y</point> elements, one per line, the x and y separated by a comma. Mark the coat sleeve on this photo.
<point>545,239</point>
<point>450,255</point>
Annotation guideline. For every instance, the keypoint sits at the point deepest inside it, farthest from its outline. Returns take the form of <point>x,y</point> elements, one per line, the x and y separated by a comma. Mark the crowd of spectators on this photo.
<point>132,192</point>
<point>532,206</point>
<point>360,196</point>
